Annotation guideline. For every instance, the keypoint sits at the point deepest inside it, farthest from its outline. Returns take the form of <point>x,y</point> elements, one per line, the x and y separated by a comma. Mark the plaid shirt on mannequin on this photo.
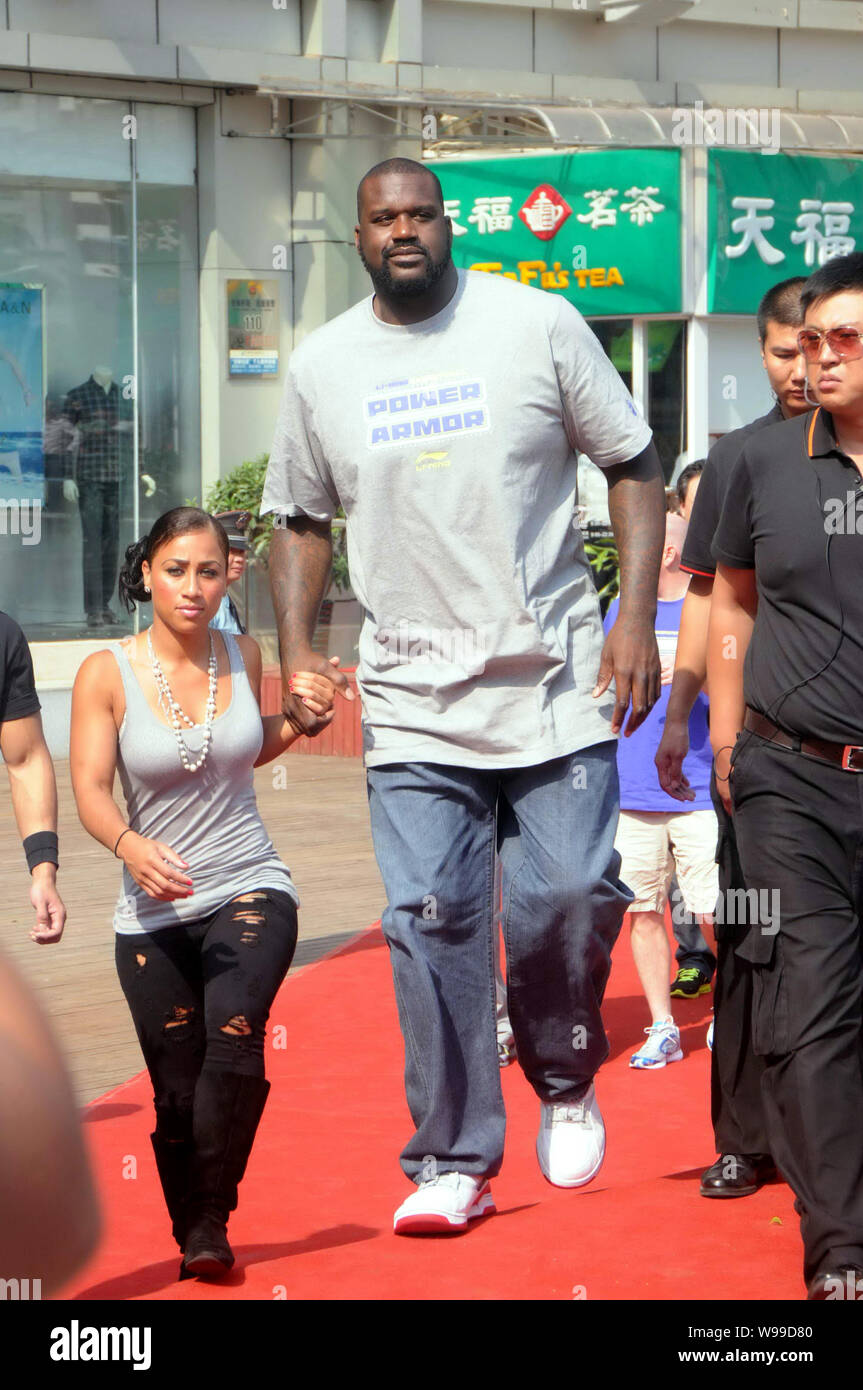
<point>96,414</point>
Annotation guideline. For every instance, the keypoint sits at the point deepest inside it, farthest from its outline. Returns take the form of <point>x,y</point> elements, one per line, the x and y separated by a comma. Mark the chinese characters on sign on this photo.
<point>603,233</point>
<point>821,227</point>
<point>253,328</point>
<point>776,218</point>
<point>546,211</point>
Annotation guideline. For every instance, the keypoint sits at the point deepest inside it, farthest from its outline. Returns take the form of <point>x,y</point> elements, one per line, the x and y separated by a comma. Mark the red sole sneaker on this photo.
<point>437,1223</point>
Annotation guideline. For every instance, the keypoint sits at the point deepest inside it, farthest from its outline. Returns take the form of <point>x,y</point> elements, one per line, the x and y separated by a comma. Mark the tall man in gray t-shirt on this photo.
<point>445,414</point>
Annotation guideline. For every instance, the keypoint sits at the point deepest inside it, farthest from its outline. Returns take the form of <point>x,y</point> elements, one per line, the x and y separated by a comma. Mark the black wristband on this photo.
<point>119,838</point>
<point>41,848</point>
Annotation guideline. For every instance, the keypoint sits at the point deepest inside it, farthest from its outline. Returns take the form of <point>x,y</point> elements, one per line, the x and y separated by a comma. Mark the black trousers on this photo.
<point>800,832</point>
<point>99,505</point>
<point>736,1106</point>
<point>200,995</point>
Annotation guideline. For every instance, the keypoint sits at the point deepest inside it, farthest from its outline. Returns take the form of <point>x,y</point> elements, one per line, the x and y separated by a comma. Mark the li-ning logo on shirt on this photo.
<point>402,411</point>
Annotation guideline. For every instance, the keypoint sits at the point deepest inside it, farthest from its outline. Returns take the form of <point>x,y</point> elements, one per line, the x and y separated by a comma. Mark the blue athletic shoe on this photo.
<point>662,1046</point>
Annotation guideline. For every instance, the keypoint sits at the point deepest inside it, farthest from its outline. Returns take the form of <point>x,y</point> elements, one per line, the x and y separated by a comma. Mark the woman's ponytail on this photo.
<point>131,583</point>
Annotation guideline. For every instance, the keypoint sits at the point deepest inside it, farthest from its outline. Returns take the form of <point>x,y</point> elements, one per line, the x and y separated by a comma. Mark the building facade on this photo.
<point>177,185</point>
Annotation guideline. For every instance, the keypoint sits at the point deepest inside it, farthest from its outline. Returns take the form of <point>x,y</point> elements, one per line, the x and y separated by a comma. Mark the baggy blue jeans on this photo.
<point>435,830</point>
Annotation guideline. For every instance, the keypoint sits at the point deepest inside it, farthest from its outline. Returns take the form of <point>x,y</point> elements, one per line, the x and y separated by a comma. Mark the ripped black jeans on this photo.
<point>200,994</point>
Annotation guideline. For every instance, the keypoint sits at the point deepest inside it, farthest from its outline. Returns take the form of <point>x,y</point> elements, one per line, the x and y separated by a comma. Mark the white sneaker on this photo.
<point>662,1046</point>
<point>710,1036</point>
<point>446,1202</point>
<point>570,1145</point>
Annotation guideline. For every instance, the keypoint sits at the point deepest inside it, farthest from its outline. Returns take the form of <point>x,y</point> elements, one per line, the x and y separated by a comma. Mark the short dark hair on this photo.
<point>838,276</point>
<point>692,470</point>
<point>783,303</point>
<point>179,521</point>
<point>399,165</point>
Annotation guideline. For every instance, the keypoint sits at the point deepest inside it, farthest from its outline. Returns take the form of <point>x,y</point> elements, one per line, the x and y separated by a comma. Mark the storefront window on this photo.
<point>616,337</point>
<point>86,342</point>
<point>666,390</point>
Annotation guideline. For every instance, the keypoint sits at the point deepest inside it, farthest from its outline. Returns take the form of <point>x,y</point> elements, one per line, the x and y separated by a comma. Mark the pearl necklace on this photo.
<point>173,711</point>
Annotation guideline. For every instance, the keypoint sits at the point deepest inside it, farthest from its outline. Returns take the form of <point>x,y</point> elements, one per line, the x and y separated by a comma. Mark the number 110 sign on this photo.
<point>253,328</point>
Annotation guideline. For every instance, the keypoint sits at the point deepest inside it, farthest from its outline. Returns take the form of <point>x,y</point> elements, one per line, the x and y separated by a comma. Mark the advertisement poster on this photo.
<point>601,228</point>
<point>253,328</point>
<point>777,215</point>
<point>22,468</point>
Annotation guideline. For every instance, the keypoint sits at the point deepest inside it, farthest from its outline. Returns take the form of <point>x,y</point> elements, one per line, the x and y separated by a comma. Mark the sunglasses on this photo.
<point>844,342</point>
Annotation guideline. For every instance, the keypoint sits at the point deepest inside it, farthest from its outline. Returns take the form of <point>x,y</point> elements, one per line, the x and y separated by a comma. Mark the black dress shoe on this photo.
<point>737,1175</point>
<point>840,1284</point>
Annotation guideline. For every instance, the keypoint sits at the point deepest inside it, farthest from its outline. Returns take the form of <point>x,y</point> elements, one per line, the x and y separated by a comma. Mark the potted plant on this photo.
<point>241,490</point>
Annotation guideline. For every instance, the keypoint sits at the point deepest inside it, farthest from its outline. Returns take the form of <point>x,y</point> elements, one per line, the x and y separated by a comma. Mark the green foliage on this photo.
<point>240,490</point>
<point>603,559</point>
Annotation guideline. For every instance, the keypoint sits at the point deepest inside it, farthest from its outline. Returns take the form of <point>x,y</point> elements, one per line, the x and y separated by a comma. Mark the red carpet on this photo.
<point>315,1214</point>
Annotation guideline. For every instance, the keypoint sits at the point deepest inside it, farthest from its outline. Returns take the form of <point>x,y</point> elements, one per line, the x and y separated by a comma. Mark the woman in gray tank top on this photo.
<point>206,921</point>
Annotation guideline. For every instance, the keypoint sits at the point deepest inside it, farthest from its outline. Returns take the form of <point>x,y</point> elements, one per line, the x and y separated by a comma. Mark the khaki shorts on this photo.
<point>653,845</point>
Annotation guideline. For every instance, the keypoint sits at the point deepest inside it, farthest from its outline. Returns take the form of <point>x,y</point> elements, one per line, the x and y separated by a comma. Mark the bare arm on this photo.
<point>316,693</point>
<point>690,674</point>
<point>636,505</point>
<point>301,557</point>
<point>34,802</point>
<point>49,1214</point>
<point>732,618</point>
<point>92,763</point>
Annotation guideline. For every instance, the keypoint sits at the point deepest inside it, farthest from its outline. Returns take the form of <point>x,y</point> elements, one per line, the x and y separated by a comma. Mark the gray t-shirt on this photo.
<point>451,445</point>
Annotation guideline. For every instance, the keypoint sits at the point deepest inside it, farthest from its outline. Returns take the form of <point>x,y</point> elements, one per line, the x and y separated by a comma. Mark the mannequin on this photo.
<point>94,409</point>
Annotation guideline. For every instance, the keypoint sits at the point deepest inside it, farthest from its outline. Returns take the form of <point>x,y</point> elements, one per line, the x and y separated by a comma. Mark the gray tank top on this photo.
<point>210,817</point>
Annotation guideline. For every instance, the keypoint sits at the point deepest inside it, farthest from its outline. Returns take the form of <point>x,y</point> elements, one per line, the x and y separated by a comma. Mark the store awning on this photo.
<point>465,117</point>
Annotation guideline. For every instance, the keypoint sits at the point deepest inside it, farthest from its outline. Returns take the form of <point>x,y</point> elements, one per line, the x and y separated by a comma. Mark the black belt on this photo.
<point>846,755</point>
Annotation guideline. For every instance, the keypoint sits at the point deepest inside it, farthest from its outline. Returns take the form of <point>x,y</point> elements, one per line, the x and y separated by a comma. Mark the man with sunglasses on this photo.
<point>736,1108</point>
<point>788,597</point>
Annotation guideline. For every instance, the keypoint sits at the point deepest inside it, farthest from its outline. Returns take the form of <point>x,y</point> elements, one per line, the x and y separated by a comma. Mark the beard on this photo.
<point>385,283</point>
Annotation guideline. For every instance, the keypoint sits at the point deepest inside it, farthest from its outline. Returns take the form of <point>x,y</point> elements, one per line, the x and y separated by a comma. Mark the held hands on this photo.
<point>155,867</point>
<point>307,693</point>
<point>50,909</point>
<point>631,657</point>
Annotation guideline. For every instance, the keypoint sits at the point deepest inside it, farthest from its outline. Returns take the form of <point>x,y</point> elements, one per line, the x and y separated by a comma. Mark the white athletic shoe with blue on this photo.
<point>662,1046</point>
<point>710,1036</point>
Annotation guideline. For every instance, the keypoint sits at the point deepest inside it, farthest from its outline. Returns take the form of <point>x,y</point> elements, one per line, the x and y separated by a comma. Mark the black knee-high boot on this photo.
<point>227,1111</point>
<point>173,1162</point>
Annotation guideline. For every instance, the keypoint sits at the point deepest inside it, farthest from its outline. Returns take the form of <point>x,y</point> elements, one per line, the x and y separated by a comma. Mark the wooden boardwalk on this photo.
<point>319,823</point>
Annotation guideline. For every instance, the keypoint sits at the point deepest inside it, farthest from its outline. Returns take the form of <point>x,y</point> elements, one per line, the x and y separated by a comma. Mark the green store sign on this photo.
<point>602,228</point>
<point>777,215</point>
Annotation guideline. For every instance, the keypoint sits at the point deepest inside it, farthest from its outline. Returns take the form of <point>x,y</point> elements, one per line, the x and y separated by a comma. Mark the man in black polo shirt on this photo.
<point>788,597</point>
<point>31,778</point>
<point>735,1075</point>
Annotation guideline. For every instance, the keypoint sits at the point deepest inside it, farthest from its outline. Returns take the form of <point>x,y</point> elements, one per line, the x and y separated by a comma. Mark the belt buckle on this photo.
<point>847,754</point>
